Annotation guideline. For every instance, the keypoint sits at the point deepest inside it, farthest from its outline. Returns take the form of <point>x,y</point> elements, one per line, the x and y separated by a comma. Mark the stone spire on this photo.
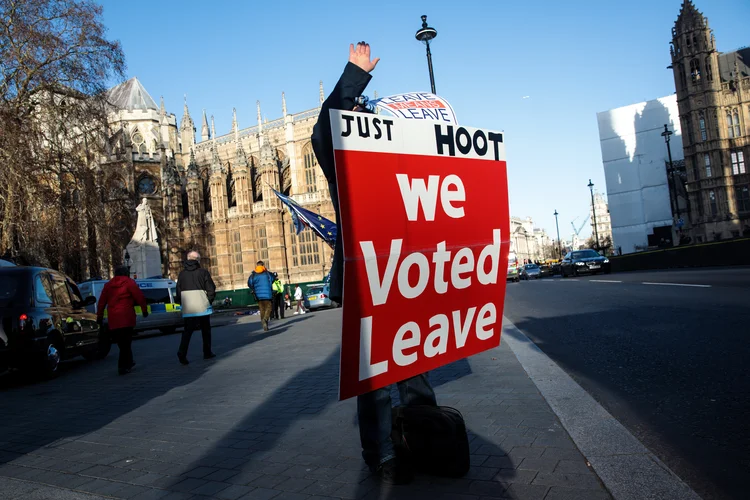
<point>267,154</point>
<point>204,128</point>
<point>216,165</point>
<point>187,122</point>
<point>235,129</point>
<point>192,170</point>
<point>260,121</point>
<point>213,129</point>
<point>283,104</point>
<point>322,95</point>
<point>162,109</point>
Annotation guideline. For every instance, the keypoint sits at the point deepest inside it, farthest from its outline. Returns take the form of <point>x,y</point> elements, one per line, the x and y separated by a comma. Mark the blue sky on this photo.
<point>573,59</point>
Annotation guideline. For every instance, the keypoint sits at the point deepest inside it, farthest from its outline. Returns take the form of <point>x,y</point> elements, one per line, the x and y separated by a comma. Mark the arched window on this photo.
<point>712,201</point>
<point>683,78</point>
<point>702,122</point>
<point>737,131</point>
<point>695,71</point>
<point>707,162</point>
<point>142,149</point>
<point>261,245</point>
<point>237,268</point>
<point>730,128</point>
<point>311,165</point>
<point>709,73</point>
<point>305,247</point>
<point>185,204</point>
<point>213,259</point>
<point>231,193</point>
<point>205,175</point>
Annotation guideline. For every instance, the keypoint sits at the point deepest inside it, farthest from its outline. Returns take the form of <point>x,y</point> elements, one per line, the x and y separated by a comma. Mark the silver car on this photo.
<point>317,296</point>
<point>531,272</point>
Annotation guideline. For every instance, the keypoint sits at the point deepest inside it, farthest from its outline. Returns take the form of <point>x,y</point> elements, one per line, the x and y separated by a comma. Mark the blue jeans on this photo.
<point>374,414</point>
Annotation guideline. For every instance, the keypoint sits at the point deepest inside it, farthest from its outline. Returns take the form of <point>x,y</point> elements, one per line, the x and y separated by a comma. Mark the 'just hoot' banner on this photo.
<point>426,233</point>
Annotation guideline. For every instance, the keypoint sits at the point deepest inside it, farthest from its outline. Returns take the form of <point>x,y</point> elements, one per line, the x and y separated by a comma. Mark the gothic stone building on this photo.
<point>713,97</point>
<point>216,195</point>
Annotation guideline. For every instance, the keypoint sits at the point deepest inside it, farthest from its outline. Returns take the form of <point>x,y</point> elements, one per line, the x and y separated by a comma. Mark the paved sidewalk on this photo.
<point>262,421</point>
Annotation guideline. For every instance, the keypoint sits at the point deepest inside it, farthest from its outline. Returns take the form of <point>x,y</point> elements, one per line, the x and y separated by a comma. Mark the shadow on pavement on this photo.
<point>40,417</point>
<point>297,441</point>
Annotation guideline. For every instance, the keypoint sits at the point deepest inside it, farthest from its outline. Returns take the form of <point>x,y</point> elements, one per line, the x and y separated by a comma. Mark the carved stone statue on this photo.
<point>143,248</point>
<point>145,229</point>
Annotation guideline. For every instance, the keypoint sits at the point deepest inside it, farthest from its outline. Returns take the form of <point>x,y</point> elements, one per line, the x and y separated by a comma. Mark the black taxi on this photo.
<point>43,320</point>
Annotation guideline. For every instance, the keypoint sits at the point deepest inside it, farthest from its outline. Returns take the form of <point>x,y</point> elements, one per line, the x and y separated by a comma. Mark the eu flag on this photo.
<point>301,217</point>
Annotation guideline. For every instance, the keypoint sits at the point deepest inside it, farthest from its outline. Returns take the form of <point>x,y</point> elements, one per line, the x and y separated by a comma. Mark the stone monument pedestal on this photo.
<point>145,259</point>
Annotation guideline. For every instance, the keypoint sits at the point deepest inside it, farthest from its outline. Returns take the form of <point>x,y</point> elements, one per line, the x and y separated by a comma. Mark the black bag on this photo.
<point>431,439</point>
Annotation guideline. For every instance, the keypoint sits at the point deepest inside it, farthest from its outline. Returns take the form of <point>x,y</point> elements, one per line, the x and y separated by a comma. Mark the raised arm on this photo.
<point>351,84</point>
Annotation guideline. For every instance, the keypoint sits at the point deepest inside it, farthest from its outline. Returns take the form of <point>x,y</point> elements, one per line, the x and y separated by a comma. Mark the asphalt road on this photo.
<point>667,353</point>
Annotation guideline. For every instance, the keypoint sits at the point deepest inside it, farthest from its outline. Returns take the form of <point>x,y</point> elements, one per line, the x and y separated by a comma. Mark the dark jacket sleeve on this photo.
<point>210,287</point>
<point>178,290</point>
<point>352,83</point>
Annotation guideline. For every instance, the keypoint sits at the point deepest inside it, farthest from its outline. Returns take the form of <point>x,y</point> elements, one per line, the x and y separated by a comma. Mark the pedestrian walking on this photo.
<point>260,283</point>
<point>298,296</point>
<point>195,293</point>
<point>119,297</point>
<point>373,408</point>
<point>278,292</point>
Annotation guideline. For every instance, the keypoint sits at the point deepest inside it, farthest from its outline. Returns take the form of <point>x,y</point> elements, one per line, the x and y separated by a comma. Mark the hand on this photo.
<point>361,56</point>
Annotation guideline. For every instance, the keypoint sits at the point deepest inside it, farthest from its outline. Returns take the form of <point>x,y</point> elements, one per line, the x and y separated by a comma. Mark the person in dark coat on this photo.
<point>195,294</point>
<point>373,408</point>
<point>119,297</point>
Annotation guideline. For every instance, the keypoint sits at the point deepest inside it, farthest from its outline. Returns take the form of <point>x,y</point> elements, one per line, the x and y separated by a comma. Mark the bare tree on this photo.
<point>54,65</point>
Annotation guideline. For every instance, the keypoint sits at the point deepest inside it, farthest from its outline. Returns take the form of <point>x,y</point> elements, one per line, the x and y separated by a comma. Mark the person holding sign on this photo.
<point>373,408</point>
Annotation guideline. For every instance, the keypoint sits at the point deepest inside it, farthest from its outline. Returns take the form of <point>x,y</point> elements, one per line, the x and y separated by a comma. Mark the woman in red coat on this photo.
<point>120,296</point>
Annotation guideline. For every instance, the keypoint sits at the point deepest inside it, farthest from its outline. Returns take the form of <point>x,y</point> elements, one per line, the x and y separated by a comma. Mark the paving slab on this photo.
<point>262,420</point>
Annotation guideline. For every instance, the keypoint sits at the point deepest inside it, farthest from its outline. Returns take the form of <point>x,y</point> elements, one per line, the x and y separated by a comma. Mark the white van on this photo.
<point>164,313</point>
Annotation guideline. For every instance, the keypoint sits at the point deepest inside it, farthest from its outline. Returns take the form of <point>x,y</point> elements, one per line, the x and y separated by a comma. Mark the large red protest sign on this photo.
<point>425,226</point>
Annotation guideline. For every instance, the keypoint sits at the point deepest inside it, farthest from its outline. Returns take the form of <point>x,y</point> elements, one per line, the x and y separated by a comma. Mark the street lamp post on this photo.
<point>670,177</point>
<point>425,34</point>
<point>593,210</point>
<point>557,226</point>
<point>127,260</point>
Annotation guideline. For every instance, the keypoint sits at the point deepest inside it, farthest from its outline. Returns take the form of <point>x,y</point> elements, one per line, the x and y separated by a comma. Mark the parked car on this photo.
<point>43,320</point>
<point>584,261</point>
<point>530,272</point>
<point>545,270</point>
<point>165,314</point>
<point>317,296</point>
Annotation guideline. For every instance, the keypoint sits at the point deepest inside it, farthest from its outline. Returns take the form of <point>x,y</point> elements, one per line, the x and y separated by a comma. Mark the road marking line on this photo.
<point>605,281</point>
<point>677,284</point>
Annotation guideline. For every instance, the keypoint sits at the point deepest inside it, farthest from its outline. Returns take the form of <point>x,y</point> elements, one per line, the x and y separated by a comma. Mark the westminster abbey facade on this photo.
<point>215,195</point>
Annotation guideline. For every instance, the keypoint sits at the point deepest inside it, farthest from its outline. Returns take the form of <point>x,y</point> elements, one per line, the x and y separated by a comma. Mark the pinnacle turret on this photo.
<point>204,128</point>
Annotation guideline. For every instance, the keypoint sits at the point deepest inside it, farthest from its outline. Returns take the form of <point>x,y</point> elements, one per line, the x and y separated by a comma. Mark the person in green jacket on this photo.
<point>278,295</point>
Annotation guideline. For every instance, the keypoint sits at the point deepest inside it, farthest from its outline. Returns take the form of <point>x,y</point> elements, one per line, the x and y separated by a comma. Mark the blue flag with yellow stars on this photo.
<point>302,218</point>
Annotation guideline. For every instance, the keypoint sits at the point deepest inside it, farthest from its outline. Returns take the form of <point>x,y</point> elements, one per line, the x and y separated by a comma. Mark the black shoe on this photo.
<point>209,355</point>
<point>393,472</point>
<point>132,365</point>
<point>183,359</point>
<point>123,371</point>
